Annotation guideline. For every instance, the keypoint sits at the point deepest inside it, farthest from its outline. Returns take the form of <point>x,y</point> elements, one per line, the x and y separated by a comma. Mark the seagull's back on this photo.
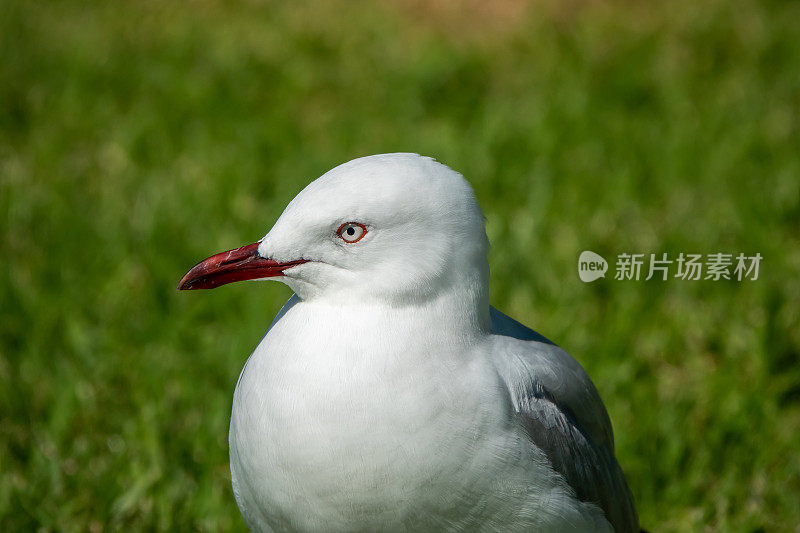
<point>561,411</point>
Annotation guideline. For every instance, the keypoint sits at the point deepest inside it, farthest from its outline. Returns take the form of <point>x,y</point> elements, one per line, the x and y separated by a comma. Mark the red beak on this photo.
<point>234,265</point>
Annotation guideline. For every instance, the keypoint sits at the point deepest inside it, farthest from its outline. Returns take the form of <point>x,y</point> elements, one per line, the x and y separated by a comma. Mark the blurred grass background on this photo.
<point>139,137</point>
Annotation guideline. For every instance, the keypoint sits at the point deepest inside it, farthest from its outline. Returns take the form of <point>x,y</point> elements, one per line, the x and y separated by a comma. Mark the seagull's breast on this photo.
<point>356,425</point>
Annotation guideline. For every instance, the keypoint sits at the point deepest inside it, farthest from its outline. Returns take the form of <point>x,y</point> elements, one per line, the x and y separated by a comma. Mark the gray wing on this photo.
<point>561,411</point>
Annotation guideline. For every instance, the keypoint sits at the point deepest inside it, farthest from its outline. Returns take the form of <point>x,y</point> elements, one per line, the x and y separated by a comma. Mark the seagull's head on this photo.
<point>394,228</point>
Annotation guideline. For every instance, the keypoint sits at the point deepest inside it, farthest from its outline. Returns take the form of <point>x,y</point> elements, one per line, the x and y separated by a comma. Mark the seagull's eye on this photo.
<point>351,232</point>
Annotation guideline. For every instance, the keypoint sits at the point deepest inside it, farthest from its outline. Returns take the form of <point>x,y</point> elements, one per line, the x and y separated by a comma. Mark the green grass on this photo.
<point>139,137</point>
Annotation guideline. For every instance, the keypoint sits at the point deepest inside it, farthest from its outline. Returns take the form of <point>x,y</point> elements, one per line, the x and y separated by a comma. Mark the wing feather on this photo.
<point>562,413</point>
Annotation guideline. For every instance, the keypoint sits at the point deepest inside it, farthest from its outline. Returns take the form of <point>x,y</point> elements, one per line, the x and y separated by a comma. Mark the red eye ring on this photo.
<point>347,231</point>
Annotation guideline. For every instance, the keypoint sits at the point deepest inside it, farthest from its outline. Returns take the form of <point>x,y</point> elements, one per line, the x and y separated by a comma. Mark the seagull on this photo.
<point>387,394</point>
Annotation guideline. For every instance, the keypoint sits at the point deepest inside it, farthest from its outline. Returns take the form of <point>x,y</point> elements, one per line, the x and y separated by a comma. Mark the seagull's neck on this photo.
<point>454,300</point>
<point>461,310</point>
<point>460,315</point>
